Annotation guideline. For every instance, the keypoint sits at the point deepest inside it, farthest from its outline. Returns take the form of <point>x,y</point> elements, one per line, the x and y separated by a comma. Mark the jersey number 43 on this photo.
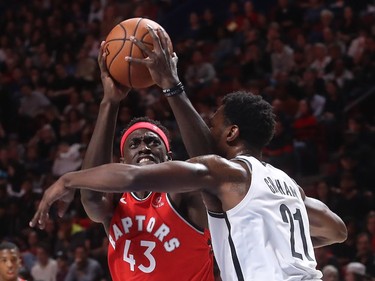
<point>129,258</point>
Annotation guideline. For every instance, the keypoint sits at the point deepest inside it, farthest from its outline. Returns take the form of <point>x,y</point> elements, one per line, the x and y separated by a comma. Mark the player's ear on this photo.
<point>169,156</point>
<point>122,160</point>
<point>233,133</point>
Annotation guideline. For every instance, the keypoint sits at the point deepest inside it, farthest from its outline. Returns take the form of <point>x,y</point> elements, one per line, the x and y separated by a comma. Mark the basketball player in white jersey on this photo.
<point>263,226</point>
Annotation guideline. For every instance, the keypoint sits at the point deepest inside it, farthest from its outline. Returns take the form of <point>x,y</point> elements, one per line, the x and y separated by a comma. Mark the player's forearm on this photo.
<point>170,176</point>
<point>194,131</point>
<point>99,151</point>
<point>100,148</point>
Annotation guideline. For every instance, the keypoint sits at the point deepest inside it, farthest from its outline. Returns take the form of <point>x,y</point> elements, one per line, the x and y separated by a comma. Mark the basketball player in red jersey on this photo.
<point>153,236</point>
<point>10,262</point>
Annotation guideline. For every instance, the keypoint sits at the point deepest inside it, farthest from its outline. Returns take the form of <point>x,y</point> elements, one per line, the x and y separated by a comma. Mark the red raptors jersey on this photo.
<point>149,240</point>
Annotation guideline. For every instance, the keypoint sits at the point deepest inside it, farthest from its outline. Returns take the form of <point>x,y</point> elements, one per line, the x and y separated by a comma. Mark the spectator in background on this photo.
<point>364,253</point>
<point>330,273</point>
<point>199,74</point>
<point>32,102</point>
<point>75,103</point>
<point>281,57</point>
<point>86,64</point>
<point>340,74</point>
<point>45,268</point>
<point>326,20</point>
<point>84,268</point>
<point>279,152</point>
<point>313,89</point>
<point>355,271</point>
<point>250,13</point>
<point>193,33</point>
<point>76,122</point>
<point>253,64</point>
<point>348,26</point>
<point>370,228</point>
<point>332,115</point>
<point>69,234</point>
<point>321,59</point>
<point>288,15</point>
<point>325,257</point>
<point>10,265</point>
<point>62,265</point>
<point>351,195</point>
<point>45,140</point>
<point>234,17</point>
<point>209,26</point>
<point>312,10</point>
<point>61,85</point>
<point>346,252</point>
<point>305,128</point>
<point>357,45</point>
<point>325,193</point>
<point>68,159</point>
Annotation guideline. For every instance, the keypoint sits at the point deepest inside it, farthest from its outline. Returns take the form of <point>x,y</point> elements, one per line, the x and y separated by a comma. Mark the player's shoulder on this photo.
<point>211,159</point>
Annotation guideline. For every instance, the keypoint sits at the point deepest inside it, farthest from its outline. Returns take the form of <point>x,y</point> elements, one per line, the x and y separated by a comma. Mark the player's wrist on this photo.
<point>175,90</point>
<point>108,101</point>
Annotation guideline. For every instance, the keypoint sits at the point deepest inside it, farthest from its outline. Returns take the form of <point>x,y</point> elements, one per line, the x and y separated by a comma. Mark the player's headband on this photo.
<point>143,125</point>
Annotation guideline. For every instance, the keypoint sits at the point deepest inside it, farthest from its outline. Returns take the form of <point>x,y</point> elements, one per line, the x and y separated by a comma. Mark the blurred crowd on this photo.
<point>314,61</point>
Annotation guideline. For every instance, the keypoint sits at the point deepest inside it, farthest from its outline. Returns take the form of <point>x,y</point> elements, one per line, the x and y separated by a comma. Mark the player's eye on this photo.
<point>134,144</point>
<point>155,142</point>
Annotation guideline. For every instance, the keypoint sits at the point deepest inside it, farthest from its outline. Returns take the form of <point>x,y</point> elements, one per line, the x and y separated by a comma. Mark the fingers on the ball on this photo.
<point>164,42</point>
<point>152,32</point>
<point>155,37</point>
<point>136,60</point>
<point>140,45</point>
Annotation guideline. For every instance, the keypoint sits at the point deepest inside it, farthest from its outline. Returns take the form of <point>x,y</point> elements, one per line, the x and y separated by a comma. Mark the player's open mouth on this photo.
<point>145,160</point>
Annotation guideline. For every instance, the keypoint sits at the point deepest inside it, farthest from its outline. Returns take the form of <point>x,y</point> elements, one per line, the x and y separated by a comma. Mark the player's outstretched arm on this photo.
<point>208,173</point>
<point>100,148</point>
<point>326,227</point>
<point>163,69</point>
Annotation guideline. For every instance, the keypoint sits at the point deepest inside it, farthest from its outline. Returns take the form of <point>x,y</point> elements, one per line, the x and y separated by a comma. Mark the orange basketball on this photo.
<point>118,46</point>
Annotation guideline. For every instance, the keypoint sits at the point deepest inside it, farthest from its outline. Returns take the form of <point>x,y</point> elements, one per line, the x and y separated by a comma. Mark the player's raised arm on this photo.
<point>100,148</point>
<point>162,65</point>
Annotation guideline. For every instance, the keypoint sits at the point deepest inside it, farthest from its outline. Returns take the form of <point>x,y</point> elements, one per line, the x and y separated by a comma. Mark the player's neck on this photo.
<point>142,194</point>
<point>246,152</point>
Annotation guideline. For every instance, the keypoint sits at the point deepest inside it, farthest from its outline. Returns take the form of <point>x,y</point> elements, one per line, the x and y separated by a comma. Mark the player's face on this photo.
<point>144,147</point>
<point>217,126</point>
<point>10,263</point>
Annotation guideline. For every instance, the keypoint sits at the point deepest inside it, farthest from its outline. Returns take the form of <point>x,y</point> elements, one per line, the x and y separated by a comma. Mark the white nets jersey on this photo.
<point>266,236</point>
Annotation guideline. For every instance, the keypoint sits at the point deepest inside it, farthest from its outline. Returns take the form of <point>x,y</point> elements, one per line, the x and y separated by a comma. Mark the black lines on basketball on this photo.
<point>118,46</point>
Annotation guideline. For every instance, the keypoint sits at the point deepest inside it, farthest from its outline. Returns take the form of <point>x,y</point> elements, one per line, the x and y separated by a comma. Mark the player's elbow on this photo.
<point>338,230</point>
<point>342,232</point>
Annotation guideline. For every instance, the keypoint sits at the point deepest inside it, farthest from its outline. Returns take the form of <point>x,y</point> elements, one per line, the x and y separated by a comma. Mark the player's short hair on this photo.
<point>253,115</point>
<point>6,245</point>
<point>148,120</point>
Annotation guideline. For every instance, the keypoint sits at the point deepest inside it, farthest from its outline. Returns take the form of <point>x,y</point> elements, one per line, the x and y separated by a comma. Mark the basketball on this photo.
<point>118,46</point>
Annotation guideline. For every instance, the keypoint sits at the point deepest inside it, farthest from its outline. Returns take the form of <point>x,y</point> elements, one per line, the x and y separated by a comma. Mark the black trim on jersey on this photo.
<point>216,215</point>
<point>197,227</point>
<point>244,160</point>
<point>136,197</point>
<point>236,262</point>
